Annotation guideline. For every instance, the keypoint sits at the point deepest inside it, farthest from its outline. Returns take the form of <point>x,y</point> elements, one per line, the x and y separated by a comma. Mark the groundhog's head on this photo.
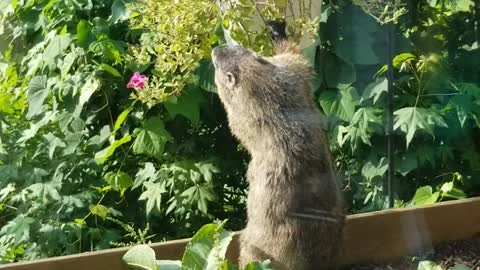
<point>262,93</point>
<point>246,81</point>
<point>237,71</point>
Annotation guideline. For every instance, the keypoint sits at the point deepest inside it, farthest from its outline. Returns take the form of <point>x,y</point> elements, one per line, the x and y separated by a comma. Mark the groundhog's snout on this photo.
<point>216,53</point>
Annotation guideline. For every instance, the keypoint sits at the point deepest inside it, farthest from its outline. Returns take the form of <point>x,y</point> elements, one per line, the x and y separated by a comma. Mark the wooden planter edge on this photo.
<point>369,237</point>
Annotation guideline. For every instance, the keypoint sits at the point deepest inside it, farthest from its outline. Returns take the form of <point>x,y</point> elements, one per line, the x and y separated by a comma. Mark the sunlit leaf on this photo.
<point>375,89</point>
<point>411,119</point>
<point>425,196</point>
<point>108,152</point>
<point>401,58</point>
<point>111,70</point>
<point>207,248</point>
<point>99,210</point>
<point>44,191</point>
<point>36,95</point>
<point>153,195</point>
<point>266,265</point>
<point>371,170</point>
<point>147,173</point>
<point>19,227</point>
<point>121,118</point>
<point>340,103</point>
<point>119,181</point>
<point>55,48</point>
<point>141,257</point>
<point>151,138</point>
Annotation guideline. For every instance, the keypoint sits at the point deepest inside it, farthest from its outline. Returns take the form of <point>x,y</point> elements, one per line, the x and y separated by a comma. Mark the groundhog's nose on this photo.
<point>215,55</point>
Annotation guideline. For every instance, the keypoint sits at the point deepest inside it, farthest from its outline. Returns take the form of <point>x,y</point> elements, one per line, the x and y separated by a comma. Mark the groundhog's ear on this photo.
<point>231,81</point>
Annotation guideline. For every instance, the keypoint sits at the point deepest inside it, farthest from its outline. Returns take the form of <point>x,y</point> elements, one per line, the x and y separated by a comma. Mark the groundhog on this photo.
<point>294,207</point>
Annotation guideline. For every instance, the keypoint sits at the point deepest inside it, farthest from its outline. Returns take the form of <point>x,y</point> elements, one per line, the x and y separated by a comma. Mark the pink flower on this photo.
<point>137,81</point>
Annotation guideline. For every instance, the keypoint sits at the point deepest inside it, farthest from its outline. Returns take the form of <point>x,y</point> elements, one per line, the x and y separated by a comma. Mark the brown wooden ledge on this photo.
<point>369,237</point>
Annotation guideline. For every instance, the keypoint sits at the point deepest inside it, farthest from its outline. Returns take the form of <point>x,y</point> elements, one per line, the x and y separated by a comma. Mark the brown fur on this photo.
<point>294,206</point>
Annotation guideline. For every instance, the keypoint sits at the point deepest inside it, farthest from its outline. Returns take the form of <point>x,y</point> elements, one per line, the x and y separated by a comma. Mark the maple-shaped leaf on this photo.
<point>340,103</point>
<point>148,173</point>
<point>207,169</point>
<point>375,89</point>
<point>360,128</point>
<point>371,170</point>
<point>199,194</point>
<point>153,195</point>
<point>53,142</point>
<point>20,227</point>
<point>151,138</point>
<point>46,191</point>
<point>411,119</point>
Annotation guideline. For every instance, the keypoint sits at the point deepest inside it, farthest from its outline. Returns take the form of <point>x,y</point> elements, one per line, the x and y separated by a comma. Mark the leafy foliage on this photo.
<point>435,116</point>
<point>206,250</point>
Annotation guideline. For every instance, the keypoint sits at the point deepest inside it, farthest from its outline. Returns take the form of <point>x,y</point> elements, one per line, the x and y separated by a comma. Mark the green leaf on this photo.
<point>55,48</point>
<point>207,169</point>
<point>227,265</point>
<point>169,265</point>
<point>206,77</point>
<point>425,196</point>
<point>19,227</point>
<point>201,194</point>
<point>102,137</point>
<point>53,142</point>
<point>91,85</point>
<point>119,181</point>
<point>406,164</point>
<point>310,53</point>
<point>460,5</point>
<point>36,94</point>
<point>360,128</point>
<point>119,11</point>
<point>429,265</point>
<point>207,248</point>
<point>121,118</point>
<point>464,106</point>
<point>110,70</point>
<point>266,265</point>
<point>461,266</point>
<point>375,89</point>
<point>340,103</point>
<point>68,62</point>
<point>353,42</point>
<point>380,71</point>
<point>151,139</point>
<point>108,49</point>
<point>46,191</point>
<point>338,73</point>
<point>83,32</point>
<point>103,155</point>
<point>141,257</point>
<point>448,190</point>
<point>187,105</point>
<point>401,58</point>
<point>153,195</point>
<point>148,173</point>
<point>371,170</point>
<point>411,119</point>
<point>99,210</point>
